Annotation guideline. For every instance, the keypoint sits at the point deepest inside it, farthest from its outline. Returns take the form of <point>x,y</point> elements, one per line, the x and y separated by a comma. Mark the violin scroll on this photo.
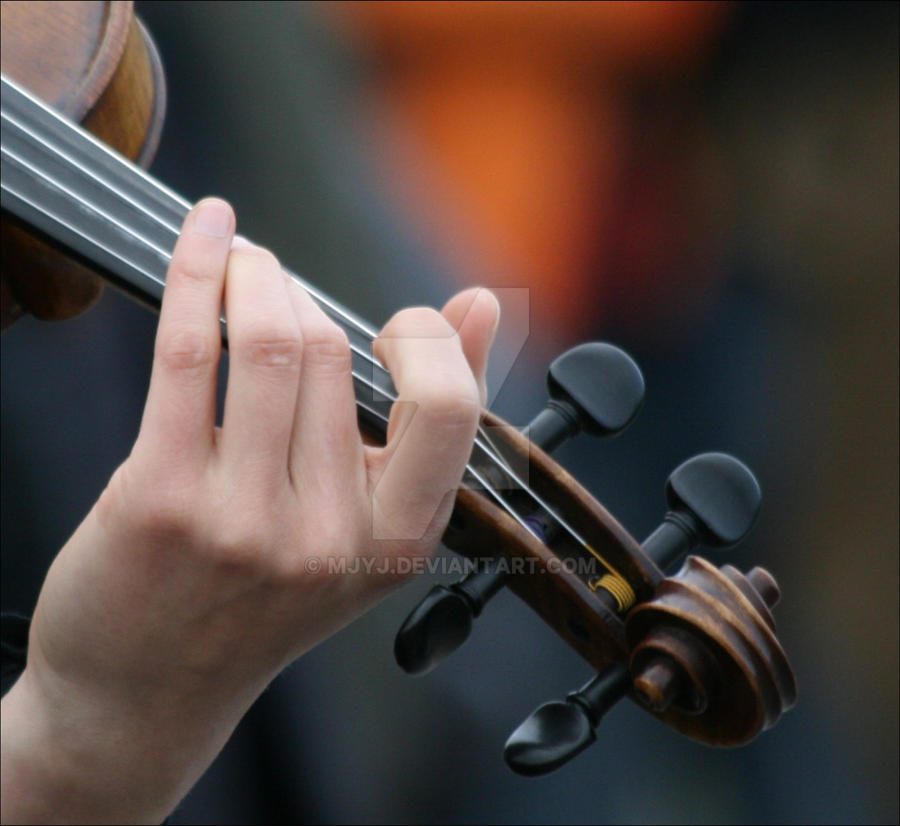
<point>697,649</point>
<point>704,655</point>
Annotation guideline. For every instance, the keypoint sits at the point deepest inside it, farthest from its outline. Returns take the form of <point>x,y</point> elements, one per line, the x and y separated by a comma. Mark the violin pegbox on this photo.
<point>697,649</point>
<point>595,387</point>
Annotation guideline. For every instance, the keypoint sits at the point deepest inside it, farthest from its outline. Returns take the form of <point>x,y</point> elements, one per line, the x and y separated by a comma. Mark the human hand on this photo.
<point>206,565</point>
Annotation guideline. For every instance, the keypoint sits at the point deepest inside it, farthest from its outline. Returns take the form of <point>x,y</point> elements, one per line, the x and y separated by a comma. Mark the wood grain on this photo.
<point>95,63</point>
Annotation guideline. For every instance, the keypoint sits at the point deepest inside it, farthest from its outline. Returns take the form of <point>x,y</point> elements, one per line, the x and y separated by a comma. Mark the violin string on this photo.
<point>367,330</point>
<point>10,154</point>
<point>111,187</point>
<point>488,449</point>
<point>163,253</point>
<point>100,179</point>
<point>185,206</point>
<point>473,472</point>
<point>490,452</point>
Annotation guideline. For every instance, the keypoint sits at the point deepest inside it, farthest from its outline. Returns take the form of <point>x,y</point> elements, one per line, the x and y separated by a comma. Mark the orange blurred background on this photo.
<point>508,132</point>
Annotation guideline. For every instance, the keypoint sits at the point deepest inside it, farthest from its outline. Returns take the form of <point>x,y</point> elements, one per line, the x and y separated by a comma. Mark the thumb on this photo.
<point>475,314</point>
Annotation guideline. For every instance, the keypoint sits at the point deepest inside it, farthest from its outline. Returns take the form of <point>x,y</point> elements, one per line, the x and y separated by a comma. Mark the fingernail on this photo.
<point>239,242</point>
<point>213,218</point>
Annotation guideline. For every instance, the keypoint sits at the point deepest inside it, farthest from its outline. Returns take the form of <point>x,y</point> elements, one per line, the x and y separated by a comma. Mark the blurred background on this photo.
<point>713,187</point>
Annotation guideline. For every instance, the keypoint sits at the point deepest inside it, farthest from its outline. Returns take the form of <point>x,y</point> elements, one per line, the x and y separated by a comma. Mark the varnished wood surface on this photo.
<point>129,114</point>
<point>94,62</point>
<point>64,52</point>
<point>559,596</point>
<point>708,623</point>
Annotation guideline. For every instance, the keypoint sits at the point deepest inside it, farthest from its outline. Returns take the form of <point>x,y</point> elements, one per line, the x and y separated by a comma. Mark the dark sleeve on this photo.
<point>14,639</point>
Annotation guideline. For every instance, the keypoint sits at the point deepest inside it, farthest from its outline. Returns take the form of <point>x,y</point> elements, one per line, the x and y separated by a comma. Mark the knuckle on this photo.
<point>291,570</point>
<point>418,322</point>
<point>253,256</point>
<point>451,402</point>
<point>200,265</point>
<point>186,350</point>
<point>163,511</point>
<point>270,348</point>
<point>335,536</point>
<point>237,550</point>
<point>114,498</point>
<point>326,348</point>
<point>168,517</point>
<point>239,537</point>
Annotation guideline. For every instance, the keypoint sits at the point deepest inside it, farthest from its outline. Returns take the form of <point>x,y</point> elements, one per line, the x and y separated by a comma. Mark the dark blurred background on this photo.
<point>712,186</point>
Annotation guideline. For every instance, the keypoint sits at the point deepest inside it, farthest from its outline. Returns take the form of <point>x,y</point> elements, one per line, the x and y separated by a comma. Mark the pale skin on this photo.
<point>188,587</point>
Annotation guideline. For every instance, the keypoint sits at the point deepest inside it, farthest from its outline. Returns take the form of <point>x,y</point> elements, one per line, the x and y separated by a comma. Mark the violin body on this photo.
<point>96,63</point>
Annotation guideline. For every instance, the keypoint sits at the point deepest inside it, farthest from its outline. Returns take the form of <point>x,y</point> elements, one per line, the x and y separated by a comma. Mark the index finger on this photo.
<point>179,416</point>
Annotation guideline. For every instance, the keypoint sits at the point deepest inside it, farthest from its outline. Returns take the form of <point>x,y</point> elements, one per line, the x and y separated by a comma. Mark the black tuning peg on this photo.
<point>442,621</point>
<point>713,499</point>
<point>594,387</point>
<point>557,731</point>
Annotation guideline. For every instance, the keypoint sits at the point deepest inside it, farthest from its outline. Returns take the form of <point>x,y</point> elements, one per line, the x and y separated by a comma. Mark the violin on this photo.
<point>692,643</point>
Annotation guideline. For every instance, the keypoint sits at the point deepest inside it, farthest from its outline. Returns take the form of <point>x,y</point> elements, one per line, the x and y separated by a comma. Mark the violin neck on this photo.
<point>64,183</point>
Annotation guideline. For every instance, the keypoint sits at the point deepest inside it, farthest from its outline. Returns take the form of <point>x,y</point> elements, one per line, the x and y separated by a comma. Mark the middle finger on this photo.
<point>265,353</point>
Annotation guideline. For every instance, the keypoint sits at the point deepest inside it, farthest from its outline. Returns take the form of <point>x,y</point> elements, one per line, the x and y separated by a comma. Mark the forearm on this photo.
<point>71,762</point>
